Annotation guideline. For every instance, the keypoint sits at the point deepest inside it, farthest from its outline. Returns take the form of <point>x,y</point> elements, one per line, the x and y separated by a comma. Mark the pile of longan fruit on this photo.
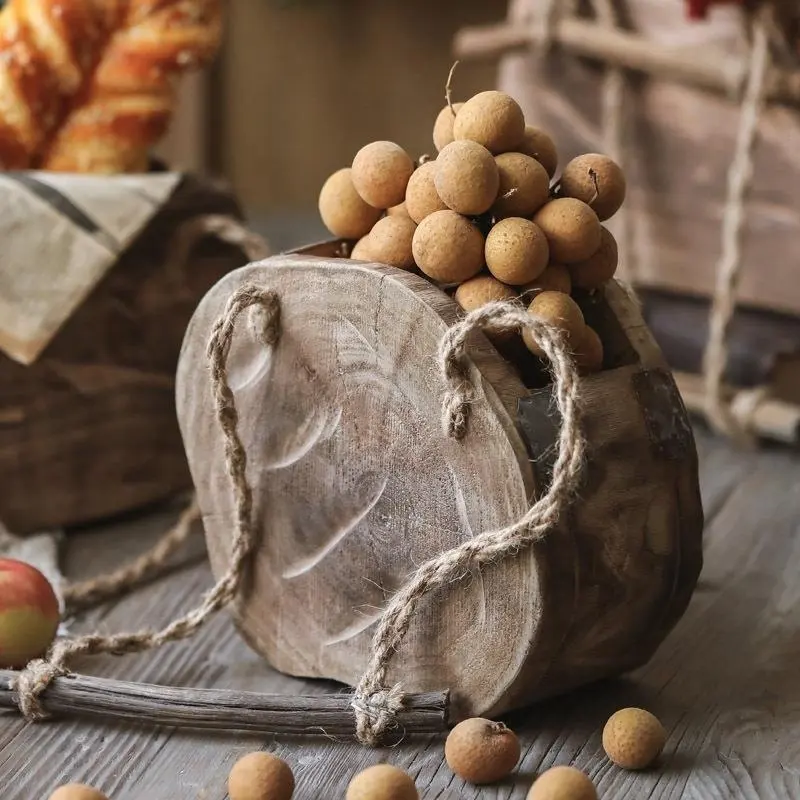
<point>477,750</point>
<point>484,219</point>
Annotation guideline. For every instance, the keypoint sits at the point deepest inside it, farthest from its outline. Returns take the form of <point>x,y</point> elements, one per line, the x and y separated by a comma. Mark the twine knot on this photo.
<point>375,713</point>
<point>31,683</point>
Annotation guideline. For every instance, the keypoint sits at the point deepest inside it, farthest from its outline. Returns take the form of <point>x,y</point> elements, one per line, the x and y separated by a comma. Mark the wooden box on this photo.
<point>355,485</point>
<point>88,429</point>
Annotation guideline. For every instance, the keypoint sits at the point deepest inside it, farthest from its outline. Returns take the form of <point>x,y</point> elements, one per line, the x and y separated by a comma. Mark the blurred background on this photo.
<point>301,85</point>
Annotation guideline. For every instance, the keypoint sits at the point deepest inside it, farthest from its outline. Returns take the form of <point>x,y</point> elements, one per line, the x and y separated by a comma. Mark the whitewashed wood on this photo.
<point>355,484</point>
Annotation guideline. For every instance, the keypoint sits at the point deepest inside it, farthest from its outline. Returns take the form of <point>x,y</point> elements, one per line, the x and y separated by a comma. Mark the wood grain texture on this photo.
<point>91,425</point>
<point>209,709</point>
<point>679,143</point>
<point>724,682</point>
<point>347,410</point>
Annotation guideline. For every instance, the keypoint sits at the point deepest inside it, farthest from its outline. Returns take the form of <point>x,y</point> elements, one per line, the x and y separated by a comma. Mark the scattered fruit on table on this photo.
<point>562,783</point>
<point>260,776</point>
<point>633,738</point>
<point>77,791</point>
<point>29,614</point>
<point>488,201</point>
<point>382,782</point>
<point>481,751</point>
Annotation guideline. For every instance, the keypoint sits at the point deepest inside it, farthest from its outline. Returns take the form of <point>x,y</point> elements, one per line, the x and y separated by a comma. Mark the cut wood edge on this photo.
<point>221,709</point>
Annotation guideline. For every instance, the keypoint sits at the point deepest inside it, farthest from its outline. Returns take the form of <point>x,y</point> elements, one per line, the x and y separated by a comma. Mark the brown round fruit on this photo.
<point>399,210</point>
<point>422,198</point>
<point>589,352</point>
<point>361,251</point>
<point>466,178</point>
<point>600,266</point>
<point>480,290</point>
<point>493,119</point>
<point>516,251</point>
<point>559,310</point>
<point>572,229</point>
<point>260,776</point>
<point>562,783</point>
<point>381,171</point>
<point>77,791</point>
<point>524,186</point>
<point>481,751</point>
<point>443,127</point>
<point>537,144</point>
<point>382,782</point>
<point>448,248</point>
<point>597,180</point>
<point>390,242</point>
<point>633,738</point>
<point>343,211</point>
<point>555,278</point>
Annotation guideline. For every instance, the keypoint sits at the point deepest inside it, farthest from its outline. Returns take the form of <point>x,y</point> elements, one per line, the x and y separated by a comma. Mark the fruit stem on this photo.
<point>448,89</point>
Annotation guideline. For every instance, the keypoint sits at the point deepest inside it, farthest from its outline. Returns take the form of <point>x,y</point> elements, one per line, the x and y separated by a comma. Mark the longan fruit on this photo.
<point>571,227</point>
<point>480,290</point>
<point>493,119</point>
<point>562,783</point>
<point>524,186</point>
<point>260,776</point>
<point>597,180</point>
<point>382,782</point>
<point>516,251</point>
<point>561,311</point>
<point>361,251</point>
<point>481,751</point>
<point>600,266</point>
<point>399,210</point>
<point>466,178</point>
<point>390,242</point>
<point>421,195</point>
<point>555,278</point>
<point>77,791</point>
<point>443,127</point>
<point>633,738</point>
<point>539,145</point>
<point>589,352</point>
<point>343,211</point>
<point>381,171</point>
<point>448,248</point>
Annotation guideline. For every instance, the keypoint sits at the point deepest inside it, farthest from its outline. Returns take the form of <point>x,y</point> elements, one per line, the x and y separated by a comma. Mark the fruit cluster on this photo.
<point>485,218</point>
<point>479,751</point>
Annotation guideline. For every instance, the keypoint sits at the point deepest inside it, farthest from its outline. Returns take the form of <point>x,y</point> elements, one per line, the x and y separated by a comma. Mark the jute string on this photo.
<point>374,704</point>
<point>719,413</point>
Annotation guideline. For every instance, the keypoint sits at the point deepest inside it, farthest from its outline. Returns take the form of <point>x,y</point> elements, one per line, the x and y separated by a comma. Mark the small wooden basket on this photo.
<point>355,484</point>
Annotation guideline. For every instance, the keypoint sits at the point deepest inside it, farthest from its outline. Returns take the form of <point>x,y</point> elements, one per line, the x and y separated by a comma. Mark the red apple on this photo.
<point>29,614</point>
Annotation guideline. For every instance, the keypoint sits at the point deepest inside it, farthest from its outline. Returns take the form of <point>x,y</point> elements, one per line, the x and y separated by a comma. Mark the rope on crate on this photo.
<point>722,416</point>
<point>374,704</point>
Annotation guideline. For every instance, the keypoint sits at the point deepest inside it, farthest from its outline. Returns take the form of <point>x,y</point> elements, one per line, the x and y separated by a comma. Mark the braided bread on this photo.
<point>89,85</point>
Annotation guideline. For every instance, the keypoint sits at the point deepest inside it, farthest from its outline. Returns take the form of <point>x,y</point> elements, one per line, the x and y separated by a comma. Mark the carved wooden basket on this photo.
<point>355,484</point>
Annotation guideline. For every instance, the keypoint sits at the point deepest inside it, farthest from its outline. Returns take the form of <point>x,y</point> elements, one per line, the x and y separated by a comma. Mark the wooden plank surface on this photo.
<point>725,683</point>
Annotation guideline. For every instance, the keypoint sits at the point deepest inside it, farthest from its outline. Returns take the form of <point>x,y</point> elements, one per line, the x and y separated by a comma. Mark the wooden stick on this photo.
<point>772,418</point>
<point>699,67</point>
<point>225,710</point>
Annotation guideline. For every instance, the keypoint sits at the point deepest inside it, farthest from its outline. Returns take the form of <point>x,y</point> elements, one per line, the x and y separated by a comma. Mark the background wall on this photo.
<point>302,85</point>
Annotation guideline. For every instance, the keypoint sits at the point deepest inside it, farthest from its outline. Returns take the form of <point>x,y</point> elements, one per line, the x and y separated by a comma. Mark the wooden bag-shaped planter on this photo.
<point>355,484</point>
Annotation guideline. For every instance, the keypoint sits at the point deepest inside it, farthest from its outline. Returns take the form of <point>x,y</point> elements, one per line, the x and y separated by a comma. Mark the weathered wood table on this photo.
<point>726,683</point>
